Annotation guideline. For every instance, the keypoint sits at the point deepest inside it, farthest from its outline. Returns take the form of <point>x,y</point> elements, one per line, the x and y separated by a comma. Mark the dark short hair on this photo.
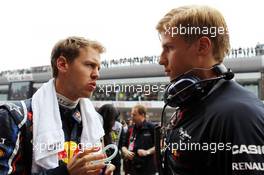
<point>109,114</point>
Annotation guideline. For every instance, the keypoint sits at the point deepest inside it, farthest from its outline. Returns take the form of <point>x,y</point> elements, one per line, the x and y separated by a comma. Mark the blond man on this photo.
<point>218,127</point>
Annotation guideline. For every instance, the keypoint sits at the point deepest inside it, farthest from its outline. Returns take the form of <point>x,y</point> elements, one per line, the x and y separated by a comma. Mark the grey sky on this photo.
<point>30,28</point>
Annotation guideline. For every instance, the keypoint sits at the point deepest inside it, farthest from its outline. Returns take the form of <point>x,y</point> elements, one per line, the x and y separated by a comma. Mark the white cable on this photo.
<point>108,159</point>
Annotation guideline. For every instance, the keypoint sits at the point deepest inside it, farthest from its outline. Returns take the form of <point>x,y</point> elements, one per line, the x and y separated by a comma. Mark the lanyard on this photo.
<point>132,140</point>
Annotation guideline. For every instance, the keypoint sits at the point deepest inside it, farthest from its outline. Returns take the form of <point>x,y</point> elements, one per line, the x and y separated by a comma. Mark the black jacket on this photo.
<point>16,139</point>
<point>144,139</point>
<point>221,135</point>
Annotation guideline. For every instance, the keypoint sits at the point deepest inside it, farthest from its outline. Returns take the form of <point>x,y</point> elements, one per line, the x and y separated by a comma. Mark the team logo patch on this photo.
<point>77,116</point>
<point>2,153</point>
<point>184,135</point>
<point>70,150</point>
<point>176,154</point>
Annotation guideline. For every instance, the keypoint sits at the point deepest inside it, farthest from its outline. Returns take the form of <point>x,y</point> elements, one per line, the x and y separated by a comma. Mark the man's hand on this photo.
<point>143,153</point>
<point>82,163</point>
<point>110,169</point>
<point>128,154</point>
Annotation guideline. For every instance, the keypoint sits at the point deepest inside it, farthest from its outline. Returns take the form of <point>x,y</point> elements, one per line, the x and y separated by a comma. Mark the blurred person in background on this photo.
<point>113,131</point>
<point>138,144</point>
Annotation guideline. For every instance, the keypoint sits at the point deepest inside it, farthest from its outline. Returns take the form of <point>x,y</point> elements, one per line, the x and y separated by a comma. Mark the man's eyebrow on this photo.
<point>164,45</point>
<point>167,44</point>
<point>94,63</point>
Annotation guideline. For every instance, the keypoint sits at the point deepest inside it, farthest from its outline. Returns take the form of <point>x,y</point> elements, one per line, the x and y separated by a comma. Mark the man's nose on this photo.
<point>162,60</point>
<point>95,74</point>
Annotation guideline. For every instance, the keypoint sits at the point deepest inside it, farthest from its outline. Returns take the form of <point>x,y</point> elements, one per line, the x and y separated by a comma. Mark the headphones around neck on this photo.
<point>188,88</point>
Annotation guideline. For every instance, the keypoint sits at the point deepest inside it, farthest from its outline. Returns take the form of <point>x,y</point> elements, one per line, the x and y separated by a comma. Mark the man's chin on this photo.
<point>87,95</point>
<point>172,78</point>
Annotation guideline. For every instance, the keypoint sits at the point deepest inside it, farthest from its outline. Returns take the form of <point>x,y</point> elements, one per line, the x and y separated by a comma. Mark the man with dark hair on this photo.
<point>58,131</point>
<point>138,144</point>
<point>113,131</point>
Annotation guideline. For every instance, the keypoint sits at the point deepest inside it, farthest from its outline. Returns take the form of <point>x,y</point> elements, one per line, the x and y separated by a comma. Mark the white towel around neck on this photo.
<point>48,135</point>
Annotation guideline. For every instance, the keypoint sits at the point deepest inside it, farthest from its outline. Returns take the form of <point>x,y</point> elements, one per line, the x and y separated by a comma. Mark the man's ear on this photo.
<point>204,46</point>
<point>62,64</point>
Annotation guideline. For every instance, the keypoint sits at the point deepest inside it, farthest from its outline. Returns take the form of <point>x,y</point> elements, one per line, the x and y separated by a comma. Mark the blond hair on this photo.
<point>199,17</point>
<point>70,49</point>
